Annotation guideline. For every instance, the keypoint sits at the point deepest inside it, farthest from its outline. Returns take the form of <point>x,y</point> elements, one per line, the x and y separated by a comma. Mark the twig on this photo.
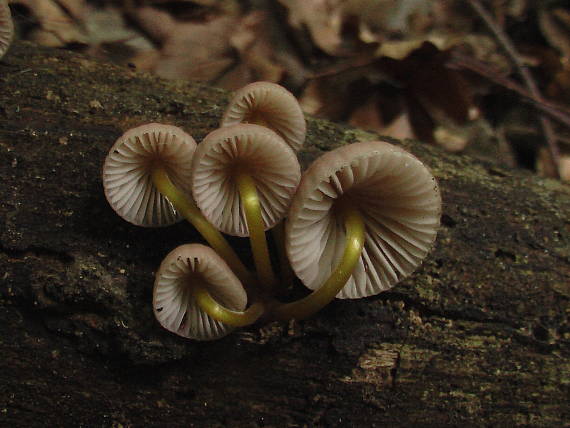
<point>554,110</point>
<point>528,80</point>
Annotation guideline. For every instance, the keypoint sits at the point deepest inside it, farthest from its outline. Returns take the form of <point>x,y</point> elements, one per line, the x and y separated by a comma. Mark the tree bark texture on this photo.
<point>478,336</point>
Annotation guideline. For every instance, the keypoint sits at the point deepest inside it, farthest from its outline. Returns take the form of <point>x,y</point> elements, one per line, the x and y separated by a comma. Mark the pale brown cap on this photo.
<point>6,27</point>
<point>173,302</point>
<point>270,105</point>
<point>260,152</point>
<point>398,198</point>
<point>127,172</point>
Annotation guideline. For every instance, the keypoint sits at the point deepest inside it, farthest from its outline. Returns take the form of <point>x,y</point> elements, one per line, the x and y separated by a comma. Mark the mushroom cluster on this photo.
<point>356,222</point>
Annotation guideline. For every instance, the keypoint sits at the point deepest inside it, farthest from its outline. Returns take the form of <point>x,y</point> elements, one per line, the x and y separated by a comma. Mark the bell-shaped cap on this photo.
<point>6,27</point>
<point>175,308</point>
<point>269,105</point>
<point>398,199</point>
<point>255,150</point>
<point>127,172</point>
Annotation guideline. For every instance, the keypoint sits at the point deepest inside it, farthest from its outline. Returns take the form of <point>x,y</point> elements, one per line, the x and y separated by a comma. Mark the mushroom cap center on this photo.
<point>257,117</point>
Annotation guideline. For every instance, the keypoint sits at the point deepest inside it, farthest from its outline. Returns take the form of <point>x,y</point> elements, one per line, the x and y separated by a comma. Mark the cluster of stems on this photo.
<point>261,287</point>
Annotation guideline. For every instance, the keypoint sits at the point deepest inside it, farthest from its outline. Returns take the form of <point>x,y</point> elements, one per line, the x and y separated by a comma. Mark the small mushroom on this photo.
<point>128,172</point>
<point>146,177</point>
<point>270,105</point>
<point>6,27</point>
<point>373,197</point>
<point>250,150</point>
<point>243,179</point>
<point>196,295</point>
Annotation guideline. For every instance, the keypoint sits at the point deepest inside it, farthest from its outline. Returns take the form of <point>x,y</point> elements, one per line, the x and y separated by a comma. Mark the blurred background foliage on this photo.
<point>489,78</point>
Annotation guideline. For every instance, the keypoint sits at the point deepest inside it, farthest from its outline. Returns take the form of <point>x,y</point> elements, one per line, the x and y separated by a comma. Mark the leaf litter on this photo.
<point>437,71</point>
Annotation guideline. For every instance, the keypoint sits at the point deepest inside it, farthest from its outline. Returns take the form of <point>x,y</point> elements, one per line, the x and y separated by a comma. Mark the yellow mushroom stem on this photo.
<point>190,211</point>
<point>220,313</point>
<point>307,306</point>
<point>252,208</point>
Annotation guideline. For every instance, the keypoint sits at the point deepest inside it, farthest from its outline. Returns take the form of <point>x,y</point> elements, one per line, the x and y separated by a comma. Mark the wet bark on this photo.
<point>479,335</point>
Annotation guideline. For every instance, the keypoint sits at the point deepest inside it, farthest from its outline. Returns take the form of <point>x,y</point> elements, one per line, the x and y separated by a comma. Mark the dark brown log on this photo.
<point>479,336</point>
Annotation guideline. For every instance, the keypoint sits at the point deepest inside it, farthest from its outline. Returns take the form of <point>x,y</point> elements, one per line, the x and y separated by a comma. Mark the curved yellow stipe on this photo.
<point>319,298</point>
<point>190,211</point>
<point>218,312</point>
<point>256,228</point>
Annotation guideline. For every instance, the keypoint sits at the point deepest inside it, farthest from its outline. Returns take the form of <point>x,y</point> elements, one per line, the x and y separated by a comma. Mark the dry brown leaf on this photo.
<point>545,167</point>
<point>555,25</point>
<point>189,50</point>
<point>77,9</point>
<point>335,95</point>
<point>432,89</point>
<point>559,87</point>
<point>367,115</point>
<point>380,20</point>
<point>111,36</point>
<point>311,100</point>
<point>400,49</point>
<point>401,26</point>
<point>419,91</point>
<point>235,77</point>
<point>321,19</point>
<point>227,50</point>
<point>400,127</point>
<point>56,27</point>
<point>451,138</point>
<point>252,42</point>
<point>187,8</point>
<point>515,8</point>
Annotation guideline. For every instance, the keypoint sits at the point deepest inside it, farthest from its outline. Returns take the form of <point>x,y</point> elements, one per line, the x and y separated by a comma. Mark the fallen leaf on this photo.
<point>251,40</point>
<point>555,25</point>
<point>55,26</point>
<point>188,50</point>
<point>321,19</point>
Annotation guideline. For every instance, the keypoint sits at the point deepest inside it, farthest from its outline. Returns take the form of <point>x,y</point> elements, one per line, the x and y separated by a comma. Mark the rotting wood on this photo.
<point>478,336</point>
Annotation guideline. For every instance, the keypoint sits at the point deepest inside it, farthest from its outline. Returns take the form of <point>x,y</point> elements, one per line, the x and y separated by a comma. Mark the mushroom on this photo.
<point>269,105</point>
<point>243,179</point>
<point>364,217</point>
<point>129,167</point>
<point>196,295</point>
<point>146,177</point>
<point>6,27</point>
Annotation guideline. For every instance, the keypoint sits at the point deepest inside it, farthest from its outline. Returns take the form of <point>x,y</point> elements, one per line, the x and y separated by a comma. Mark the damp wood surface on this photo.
<point>478,336</point>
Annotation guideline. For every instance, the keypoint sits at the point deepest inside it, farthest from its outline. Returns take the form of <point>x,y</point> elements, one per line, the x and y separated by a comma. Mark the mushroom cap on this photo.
<point>127,172</point>
<point>173,302</point>
<point>400,203</point>
<point>6,27</point>
<point>270,105</point>
<point>259,152</point>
